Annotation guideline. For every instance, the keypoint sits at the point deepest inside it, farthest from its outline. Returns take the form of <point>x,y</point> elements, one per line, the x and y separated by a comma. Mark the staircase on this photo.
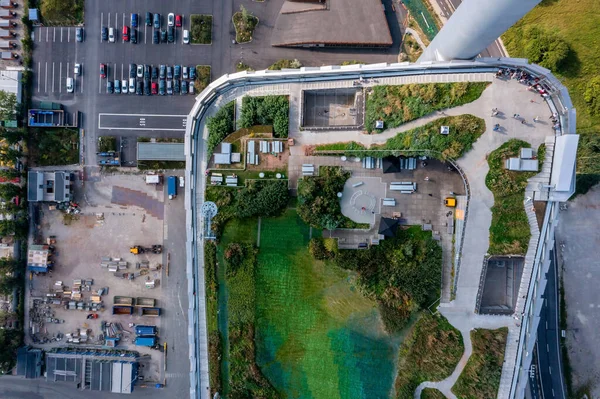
<point>543,178</point>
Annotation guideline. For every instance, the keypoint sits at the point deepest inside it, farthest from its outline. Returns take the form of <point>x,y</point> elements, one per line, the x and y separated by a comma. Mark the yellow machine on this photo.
<point>138,249</point>
<point>450,202</point>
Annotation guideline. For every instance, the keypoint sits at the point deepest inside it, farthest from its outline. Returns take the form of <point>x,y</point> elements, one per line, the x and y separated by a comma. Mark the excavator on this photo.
<point>138,249</point>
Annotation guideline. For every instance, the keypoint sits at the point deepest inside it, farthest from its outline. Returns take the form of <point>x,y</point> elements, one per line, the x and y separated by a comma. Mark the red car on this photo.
<point>178,20</point>
<point>103,71</point>
<point>154,88</point>
<point>126,33</point>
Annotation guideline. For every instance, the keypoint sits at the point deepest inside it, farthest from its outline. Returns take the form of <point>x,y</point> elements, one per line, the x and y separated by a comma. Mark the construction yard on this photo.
<point>116,267</point>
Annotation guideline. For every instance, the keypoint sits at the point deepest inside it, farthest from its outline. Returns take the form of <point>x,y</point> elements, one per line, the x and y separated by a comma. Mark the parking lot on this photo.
<point>117,212</point>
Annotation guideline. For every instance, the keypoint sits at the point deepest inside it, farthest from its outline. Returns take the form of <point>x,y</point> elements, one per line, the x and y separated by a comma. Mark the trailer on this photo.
<point>145,302</point>
<point>145,331</point>
<point>150,312</point>
<point>145,341</point>
<point>123,310</point>
<point>124,300</point>
<point>172,187</point>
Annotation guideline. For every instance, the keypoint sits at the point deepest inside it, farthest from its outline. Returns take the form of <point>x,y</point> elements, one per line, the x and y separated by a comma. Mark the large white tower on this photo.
<point>475,25</point>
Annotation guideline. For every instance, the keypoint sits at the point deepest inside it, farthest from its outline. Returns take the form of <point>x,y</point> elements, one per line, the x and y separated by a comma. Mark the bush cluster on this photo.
<point>268,110</point>
<point>220,126</point>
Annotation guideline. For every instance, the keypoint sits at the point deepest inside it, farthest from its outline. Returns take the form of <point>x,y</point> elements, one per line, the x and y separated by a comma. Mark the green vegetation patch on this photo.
<point>588,167</point>
<point>480,378</point>
<point>429,353</point>
<point>244,23</point>
<point>317,335</point>
<point>62,12</point>
<point>268,110</point>
<point>411,48</point>
<point>107,143</point>
<point>202,77</point>
<point>220,126</point>
<point>464,131</point>
<point>318,204</point>
<point>240,66</point>
<point>55,146</point>
<point>396,105</point>
<point>419,10</point>
<point>201,29</point>
<point>432,393</point>
<point>214,337</point>
<point>285,64</point>
<point>509,231</point>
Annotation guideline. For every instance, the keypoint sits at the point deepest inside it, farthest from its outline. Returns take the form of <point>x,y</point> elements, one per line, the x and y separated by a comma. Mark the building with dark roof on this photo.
<point>332,23</point>
<point>50,186</point>
<point>388,227</point>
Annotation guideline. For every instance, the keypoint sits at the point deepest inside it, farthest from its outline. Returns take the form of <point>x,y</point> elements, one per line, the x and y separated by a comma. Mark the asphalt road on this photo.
<point>142,122</point>
<point>449,6</point>
<point>548,345</point>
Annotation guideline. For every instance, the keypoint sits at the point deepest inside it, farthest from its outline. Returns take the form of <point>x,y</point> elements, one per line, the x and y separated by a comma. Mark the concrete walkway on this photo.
<point>416,36</point>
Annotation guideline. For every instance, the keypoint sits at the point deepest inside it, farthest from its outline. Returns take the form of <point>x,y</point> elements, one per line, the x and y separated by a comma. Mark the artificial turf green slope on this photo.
<point>316,335</point>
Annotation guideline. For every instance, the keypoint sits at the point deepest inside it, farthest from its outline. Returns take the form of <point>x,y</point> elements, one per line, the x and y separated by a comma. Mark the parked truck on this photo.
<point>145,302</point>
<point>122,310</point>
<point>123,300</point>
<point>145,341</point>
<point>145,331</point>
<point>172,187</point>
<point>151,312</point>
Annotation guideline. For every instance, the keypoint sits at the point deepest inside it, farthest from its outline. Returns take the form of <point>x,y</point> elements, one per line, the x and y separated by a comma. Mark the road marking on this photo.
<point>61,34</point>
<point>53,35</point>
<point>99,84</point>
<point>69,35</point>
<point>116,25</point>
<point>81,79</point>
<point>47,31</point>
<point>115,72</point>
<point>60,78</point>
<point>123,26</point>
<point>101,25</point>
<point>46,80</point>
<point>38,75</point>
<point>550,370</point>
<point>53,77</point>
<point>121,71</point>
<point>145,35</point>
<point>548,348</point>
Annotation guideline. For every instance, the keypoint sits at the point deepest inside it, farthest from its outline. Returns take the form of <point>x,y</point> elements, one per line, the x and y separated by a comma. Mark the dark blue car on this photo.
<point>134,21</point>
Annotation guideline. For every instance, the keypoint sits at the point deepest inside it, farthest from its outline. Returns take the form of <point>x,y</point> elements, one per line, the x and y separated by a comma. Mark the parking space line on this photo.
<point>60,78</point>
<point>121,71</point>
<point>67,69</point>
<point>54,35</point>
<point>115,72</point>
<point>46,80</point>
<point>53,77</point>
<point>47,31</point>
<point>61,34</point>
<point>38,75</point>
<point>99,84</point>
<point>69,35</point>
<point>122,37</point>
<point>80,78</point>
<point>145,35</point>
<point>116,24</point>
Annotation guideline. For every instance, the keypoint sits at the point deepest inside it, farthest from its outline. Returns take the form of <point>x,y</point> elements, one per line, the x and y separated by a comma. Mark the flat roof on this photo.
<point>343,23</point>
<point>10,82</point>
<point>563,165</point>
<point>160,152</point>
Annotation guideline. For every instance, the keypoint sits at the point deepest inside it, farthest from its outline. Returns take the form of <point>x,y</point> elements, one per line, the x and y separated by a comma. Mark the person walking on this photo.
<point>536,119</point>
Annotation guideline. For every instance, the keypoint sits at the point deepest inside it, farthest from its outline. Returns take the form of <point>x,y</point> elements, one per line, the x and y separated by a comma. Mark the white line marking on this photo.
<point>101,25</point>
<point>99,84</point>
<point>46,80</point>
<point>53,77</point>
<point>136,115</point>
<point>69,35</point>
<point>548,348</point>
<point>39,75</point>
<point>54,35</point>
<point>122,72</point>
<point>145,128</point>
<point>145,35</point>
<point>61,34</point>
<point>47,31</point>
<point>550,370</point>
<point>116,26</point>
<point>81,79</point>
<point>60,78</point>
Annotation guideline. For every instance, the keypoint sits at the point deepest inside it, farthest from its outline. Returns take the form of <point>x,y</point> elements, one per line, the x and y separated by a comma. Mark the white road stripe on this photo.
<point>47,32</point>
<point>39,75</point>
<point>46,80</point>
<point>145,35</point>
<point>81,79</point>
<point>69,35</point>
<point>99,84</point>
<point>60,78</point>
<point>116,25</point>
<point>53,77</point>
<point>121,71</point>
<point>54,35</point>
<point>61,34</point>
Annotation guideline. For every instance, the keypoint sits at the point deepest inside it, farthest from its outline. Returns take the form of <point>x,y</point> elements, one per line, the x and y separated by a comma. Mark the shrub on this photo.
<point>244,23</point>
<point>286,64</point>
<point>261,198</point>
<point>546,49</point>
<point>201,29</point>
<point>268,110</point>
<point>592,95</point>
<point>219,126</point>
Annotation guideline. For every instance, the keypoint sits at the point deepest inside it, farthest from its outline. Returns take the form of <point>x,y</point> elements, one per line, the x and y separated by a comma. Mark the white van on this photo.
<point>111,35</point>
<point>70,85</point>
<point>132,85</point>
<point>186,36</point>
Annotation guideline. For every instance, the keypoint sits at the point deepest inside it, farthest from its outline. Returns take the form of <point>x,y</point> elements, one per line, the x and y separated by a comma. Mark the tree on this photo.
<point>220,126</point>
<point>9,191</point>
<point>9,174</point>
<point>261,198</point>
<point>13,136</point>
<point>8,265</point>
<point>592,95</point>
<point>9,155</point>
<point>8,105</point>
<point>546,49</point>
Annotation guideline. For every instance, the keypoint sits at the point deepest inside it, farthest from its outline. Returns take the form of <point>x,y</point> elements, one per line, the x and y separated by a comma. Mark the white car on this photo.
<point>70,85</point>
<point>140,71</point>
<point>181,181</point>
<point>171,19</point>
<point>111,35</point>
<point>77,69</point>
<point>132,85</point>
<point>186,36</point>
<point>124,86</point>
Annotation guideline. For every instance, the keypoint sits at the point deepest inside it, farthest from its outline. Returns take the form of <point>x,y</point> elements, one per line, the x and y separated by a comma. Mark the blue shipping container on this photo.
<point>145,330</point>
<point>145,341</point>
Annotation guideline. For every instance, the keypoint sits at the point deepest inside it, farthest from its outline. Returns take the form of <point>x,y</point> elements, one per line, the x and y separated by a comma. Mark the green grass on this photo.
<point>160,165</point>
<point>396,105</point>
<point>61,12</point>
<point>214,337</point>
<point>285,64</point>
<point>202,77</point>
<point>200,29</point>
<point>244,27</point>
<point>432,393</point>
<point>429,353</point>
<point>464,131</point>
<point>480,378</point>
<point>107,143</point>
<point>240,66</point>
<point>55,146</point>
<point>509,231</point>
<point>317,336</point>
<point>418,9</point>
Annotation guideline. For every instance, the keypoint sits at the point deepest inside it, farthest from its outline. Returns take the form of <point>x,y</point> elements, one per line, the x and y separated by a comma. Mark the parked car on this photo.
<point>79,34</point>
<point>161,87</point>
<point>70,85</point>
<point>117,86</point>
<point>156,37</point>
<point>186,36</point>
<point>132,68</point>
<point>169,87</point>
<point>193,72</point>
<point>132,85</point>
<point>109,86</point>
<point>147,71</point>
<point>156,21</point>
<point>170,34</point>
<point>171,19</point>
<point>77,69</point>
<point>184,71</point>
<point>103,71</point>
<point>124,86</point>
<point>140,71</point>
<point>134,20</point>
<point>147,87</point>
<point>178,21</point>
<point>104,33</point>
<point>181,181</point>
<point>148,19</point>
<point>163,71</point>
<point>154,88</point>
<point>184,87</point>
<point>111,35</point>
<point>126,33</point>
<point>154,72</point>
<point>163,36</point>
<point>139,88</point>
<point>177,71</point>
<point>169,72</point>
<point>176,86</point>
<point>192,88</point>
<point>133,36</point>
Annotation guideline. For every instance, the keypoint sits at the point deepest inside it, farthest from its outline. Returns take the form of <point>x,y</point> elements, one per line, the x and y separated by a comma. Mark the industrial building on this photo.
<point>50,186</point>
